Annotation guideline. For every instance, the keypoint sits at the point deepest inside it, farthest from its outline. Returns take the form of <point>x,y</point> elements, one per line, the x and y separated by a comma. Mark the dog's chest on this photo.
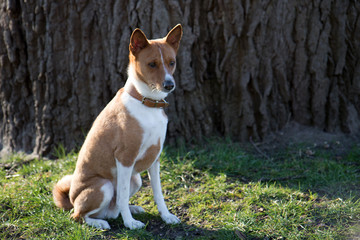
<point>153,123</point>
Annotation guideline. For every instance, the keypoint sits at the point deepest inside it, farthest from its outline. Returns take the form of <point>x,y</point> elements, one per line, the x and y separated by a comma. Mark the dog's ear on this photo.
<point>174,36</point>
<point>138,41</point>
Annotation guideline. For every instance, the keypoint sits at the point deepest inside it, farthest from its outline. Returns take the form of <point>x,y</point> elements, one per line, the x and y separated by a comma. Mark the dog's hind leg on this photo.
<point>135,184</point>
<point>93,202</point>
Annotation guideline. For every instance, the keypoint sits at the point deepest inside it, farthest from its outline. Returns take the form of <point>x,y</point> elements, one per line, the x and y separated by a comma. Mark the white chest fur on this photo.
<point>153,122</point>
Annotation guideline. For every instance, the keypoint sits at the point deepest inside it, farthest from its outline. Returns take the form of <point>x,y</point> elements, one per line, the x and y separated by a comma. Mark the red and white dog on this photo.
<point>125,139</point>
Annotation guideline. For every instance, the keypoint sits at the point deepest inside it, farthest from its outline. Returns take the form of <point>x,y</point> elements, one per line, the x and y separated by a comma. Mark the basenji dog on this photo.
<point>125,139</point>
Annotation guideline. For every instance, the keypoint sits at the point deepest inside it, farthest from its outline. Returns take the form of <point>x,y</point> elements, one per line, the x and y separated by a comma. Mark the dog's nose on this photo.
<point>168,85</point>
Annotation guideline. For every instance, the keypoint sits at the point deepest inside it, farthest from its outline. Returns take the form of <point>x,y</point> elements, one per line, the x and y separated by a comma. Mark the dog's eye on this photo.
<point>172,63</point>
<point>152,64</point>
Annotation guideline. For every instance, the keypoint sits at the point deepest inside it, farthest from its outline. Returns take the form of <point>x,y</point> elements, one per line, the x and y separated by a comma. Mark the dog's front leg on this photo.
<point>123,195</point>
<point>154,173</point>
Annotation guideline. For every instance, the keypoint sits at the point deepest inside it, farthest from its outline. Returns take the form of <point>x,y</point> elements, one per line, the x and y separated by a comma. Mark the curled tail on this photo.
<point>61,193</point>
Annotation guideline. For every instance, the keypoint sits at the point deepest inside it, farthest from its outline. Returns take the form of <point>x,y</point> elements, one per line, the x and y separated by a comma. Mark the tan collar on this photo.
<point>147,101</point>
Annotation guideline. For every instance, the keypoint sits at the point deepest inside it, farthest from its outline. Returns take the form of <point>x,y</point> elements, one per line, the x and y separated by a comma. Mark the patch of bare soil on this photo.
<point>182,231</point>
<point>160,230</point>
<point>12,167</point>
<point>295,134</point>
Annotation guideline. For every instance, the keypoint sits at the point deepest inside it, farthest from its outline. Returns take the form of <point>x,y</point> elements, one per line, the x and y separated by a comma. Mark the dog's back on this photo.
<point>125,139</point>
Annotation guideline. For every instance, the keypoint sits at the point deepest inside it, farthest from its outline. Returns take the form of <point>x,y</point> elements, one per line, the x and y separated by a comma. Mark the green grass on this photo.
<point>220,190</point>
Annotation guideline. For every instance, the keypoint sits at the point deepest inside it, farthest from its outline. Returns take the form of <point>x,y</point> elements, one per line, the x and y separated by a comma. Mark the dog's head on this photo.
<point>154,61</point>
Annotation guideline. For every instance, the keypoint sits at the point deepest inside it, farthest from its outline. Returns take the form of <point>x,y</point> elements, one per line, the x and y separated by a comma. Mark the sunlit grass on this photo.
<point>219,191</point>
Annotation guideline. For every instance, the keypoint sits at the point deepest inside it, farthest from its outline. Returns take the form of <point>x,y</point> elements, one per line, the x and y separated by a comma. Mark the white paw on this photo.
<point>136,209</point>
<point>170,218</point>
<point>97,223</point>
<point>113,213</point>
<point>134,224</point>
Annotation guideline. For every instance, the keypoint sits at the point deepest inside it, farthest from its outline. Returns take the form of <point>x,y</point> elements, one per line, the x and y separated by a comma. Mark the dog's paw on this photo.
<point>97,223</point>
<point>170,218</point>
<point>134,224</point>
<point>136,209</point>
<point>113,213</point>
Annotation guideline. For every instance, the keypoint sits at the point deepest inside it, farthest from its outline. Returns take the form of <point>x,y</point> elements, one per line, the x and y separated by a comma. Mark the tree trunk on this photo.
<point>245,68</point>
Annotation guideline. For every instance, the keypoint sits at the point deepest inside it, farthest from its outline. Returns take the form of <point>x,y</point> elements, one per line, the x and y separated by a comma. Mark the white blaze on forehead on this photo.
<point>162,60</point>
<point>167,74</point>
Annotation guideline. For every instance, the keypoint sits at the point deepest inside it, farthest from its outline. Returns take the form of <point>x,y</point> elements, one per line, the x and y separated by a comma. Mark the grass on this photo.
<point>220,190</point>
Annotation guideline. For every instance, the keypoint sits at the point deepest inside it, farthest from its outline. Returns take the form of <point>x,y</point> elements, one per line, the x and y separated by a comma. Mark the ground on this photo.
<point>296,184</point>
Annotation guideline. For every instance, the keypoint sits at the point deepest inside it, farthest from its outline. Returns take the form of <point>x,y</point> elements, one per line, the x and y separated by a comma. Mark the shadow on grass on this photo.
<point>157,229</point>
<point>321,169</point>
<point>294,186</point>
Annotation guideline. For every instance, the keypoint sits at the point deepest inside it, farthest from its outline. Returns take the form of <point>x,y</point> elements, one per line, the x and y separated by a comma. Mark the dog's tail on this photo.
<point>61,193</point>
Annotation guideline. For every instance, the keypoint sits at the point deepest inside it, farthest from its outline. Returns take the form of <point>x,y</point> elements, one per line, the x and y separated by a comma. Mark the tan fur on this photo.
<point>115,135</point>
<point>153,77</point>
<point>61,193</point>
<point>150,51</point>
<point>89,198</point>
<point>148,159</point>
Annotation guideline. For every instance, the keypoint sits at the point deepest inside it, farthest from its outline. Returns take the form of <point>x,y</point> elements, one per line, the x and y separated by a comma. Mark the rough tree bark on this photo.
<point>245,68</point>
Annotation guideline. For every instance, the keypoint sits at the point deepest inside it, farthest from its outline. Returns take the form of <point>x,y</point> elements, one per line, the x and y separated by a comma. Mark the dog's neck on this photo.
<point>140,91</point>
<point>141,87</point>
<point>131,90</point>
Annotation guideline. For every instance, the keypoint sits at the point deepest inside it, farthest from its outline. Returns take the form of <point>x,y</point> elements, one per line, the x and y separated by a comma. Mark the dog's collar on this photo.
<point>147,101</point>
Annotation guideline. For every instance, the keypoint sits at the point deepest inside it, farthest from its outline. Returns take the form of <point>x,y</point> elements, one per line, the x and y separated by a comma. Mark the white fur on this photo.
<point>136,209</point>
<point>141,87</point>
<point>102,211</point>
<point>135,184</point>
<point>167,74</point>
<point>154,173</point>
<point>126,181</point>
<point>163,62</point>
<point>123,196</point>
<point>97,223</point>
<point>153,123</point>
